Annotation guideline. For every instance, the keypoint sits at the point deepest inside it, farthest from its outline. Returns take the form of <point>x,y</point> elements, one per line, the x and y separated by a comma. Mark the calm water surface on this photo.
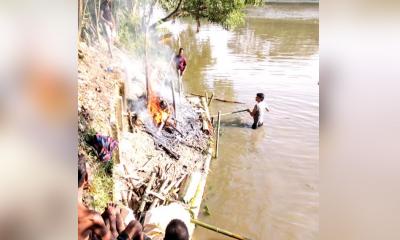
<point>265,183</point>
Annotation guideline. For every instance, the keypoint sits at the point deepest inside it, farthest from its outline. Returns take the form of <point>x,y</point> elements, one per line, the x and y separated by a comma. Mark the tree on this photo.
<point>228,13</point>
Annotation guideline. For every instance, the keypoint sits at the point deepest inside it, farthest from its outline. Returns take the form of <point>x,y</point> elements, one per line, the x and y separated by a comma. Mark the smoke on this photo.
<point>158,56</point>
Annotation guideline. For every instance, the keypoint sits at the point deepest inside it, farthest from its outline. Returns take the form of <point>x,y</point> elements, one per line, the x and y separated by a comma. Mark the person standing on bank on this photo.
<point>180,63</point>
<point>258,111</point>
<point>108,23</point>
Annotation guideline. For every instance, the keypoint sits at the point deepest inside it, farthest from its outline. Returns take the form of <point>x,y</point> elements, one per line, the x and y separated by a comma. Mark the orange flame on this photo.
<point>159,115</point>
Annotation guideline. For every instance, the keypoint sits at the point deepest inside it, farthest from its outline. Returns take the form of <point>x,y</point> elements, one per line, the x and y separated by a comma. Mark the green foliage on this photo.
<point>254,2</point>
<point>228,13</point>
<point>129,34</point>
<point>235,18</point>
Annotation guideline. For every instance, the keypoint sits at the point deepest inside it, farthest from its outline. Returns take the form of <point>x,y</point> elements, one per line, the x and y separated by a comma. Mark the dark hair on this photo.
<point>81,169</point>
<point>163,104</point>
<point>261,96</point>
<point>176,230</point>
<point>180,50</point>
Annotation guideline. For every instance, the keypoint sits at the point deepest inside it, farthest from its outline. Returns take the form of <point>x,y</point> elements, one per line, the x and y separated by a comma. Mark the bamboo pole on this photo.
<point>218,230</point>
<point>146,68</point>
<point>228,113</point>
<point>218,99</point>
<point>211,98</point>
<point>173,98</point>
<point>180,86</point>
<point>217,141</point>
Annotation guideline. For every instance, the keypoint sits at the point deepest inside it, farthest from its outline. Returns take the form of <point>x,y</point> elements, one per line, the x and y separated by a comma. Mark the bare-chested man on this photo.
<point>107,226</point>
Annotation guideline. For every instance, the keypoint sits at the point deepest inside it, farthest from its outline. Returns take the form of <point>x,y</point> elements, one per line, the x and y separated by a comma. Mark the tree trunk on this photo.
<point>168,17</point>
<point>198,24</point>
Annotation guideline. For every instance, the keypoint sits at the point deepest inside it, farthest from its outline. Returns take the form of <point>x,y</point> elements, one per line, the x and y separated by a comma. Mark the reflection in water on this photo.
<point>273,41</point>
<point>237,122</point>
<point>265,183</point>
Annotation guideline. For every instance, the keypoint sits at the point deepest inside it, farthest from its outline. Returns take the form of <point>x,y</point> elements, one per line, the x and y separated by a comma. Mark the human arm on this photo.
<point>119,221</point>
<point>253,112</point>
<point>100,229</point>
<point>110,218</point>
<point>134,230</point>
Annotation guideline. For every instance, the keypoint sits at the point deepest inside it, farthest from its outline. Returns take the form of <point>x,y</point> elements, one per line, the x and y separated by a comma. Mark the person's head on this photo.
<point>180,52</point>
<point>176,230</point>
<point>83,175</point>
<point>260,97</point>
<point>163,104</point>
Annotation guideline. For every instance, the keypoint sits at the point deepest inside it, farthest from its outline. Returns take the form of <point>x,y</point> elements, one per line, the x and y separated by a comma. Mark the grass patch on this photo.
<point>101,180</point>
<point>101,185</point>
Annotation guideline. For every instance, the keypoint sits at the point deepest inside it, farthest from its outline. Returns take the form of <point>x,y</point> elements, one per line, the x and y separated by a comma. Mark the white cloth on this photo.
<point>260,107</point>
<point>157,219</point>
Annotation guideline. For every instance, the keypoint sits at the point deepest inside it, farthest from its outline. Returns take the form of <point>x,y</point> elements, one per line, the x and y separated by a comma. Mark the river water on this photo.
<point>264,185</point>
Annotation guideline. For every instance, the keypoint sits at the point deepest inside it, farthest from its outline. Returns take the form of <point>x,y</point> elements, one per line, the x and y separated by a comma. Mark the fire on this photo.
<point>159,114</point>
<point>157,108</point>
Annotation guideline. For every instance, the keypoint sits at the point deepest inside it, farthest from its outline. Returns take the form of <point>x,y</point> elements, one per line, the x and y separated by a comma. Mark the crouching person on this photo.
<point>107,226</point>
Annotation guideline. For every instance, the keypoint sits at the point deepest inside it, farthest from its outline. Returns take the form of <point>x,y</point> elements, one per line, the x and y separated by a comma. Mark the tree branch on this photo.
<point>168,16</point>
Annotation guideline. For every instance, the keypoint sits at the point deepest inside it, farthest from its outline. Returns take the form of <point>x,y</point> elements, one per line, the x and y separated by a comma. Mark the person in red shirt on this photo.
<point>180,62</point>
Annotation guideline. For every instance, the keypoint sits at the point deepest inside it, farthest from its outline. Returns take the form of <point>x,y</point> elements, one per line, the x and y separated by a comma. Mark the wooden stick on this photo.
<point>211,98</point>
<point>146,68</point>
<point>218,99</point>
<point>173,98</point>
<point>180,85</point>
<point>157,195</point>
<point>163,145</point>
<point>223,114</point>
<point>218,230</point>
<point>206,95</point>
<point>217,141</point>
<point>161,192</point>
<point>146,194</point>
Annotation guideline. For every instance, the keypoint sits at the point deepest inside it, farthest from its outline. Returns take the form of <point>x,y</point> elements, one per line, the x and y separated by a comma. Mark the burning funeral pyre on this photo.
<point>166,144</point>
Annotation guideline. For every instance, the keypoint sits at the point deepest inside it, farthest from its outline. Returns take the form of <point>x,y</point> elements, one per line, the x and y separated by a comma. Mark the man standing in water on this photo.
<point>108,22</point>
<point>258,111</point>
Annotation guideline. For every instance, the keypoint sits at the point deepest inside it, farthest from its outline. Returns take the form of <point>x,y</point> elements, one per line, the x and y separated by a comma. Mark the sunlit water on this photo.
<point>264,185</point>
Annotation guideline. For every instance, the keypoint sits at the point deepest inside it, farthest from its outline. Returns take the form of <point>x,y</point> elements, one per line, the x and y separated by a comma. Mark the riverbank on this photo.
<point>149,168</point>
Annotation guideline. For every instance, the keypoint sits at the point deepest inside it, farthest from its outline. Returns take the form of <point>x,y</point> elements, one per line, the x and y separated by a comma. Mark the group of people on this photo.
<point>110,225</point>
